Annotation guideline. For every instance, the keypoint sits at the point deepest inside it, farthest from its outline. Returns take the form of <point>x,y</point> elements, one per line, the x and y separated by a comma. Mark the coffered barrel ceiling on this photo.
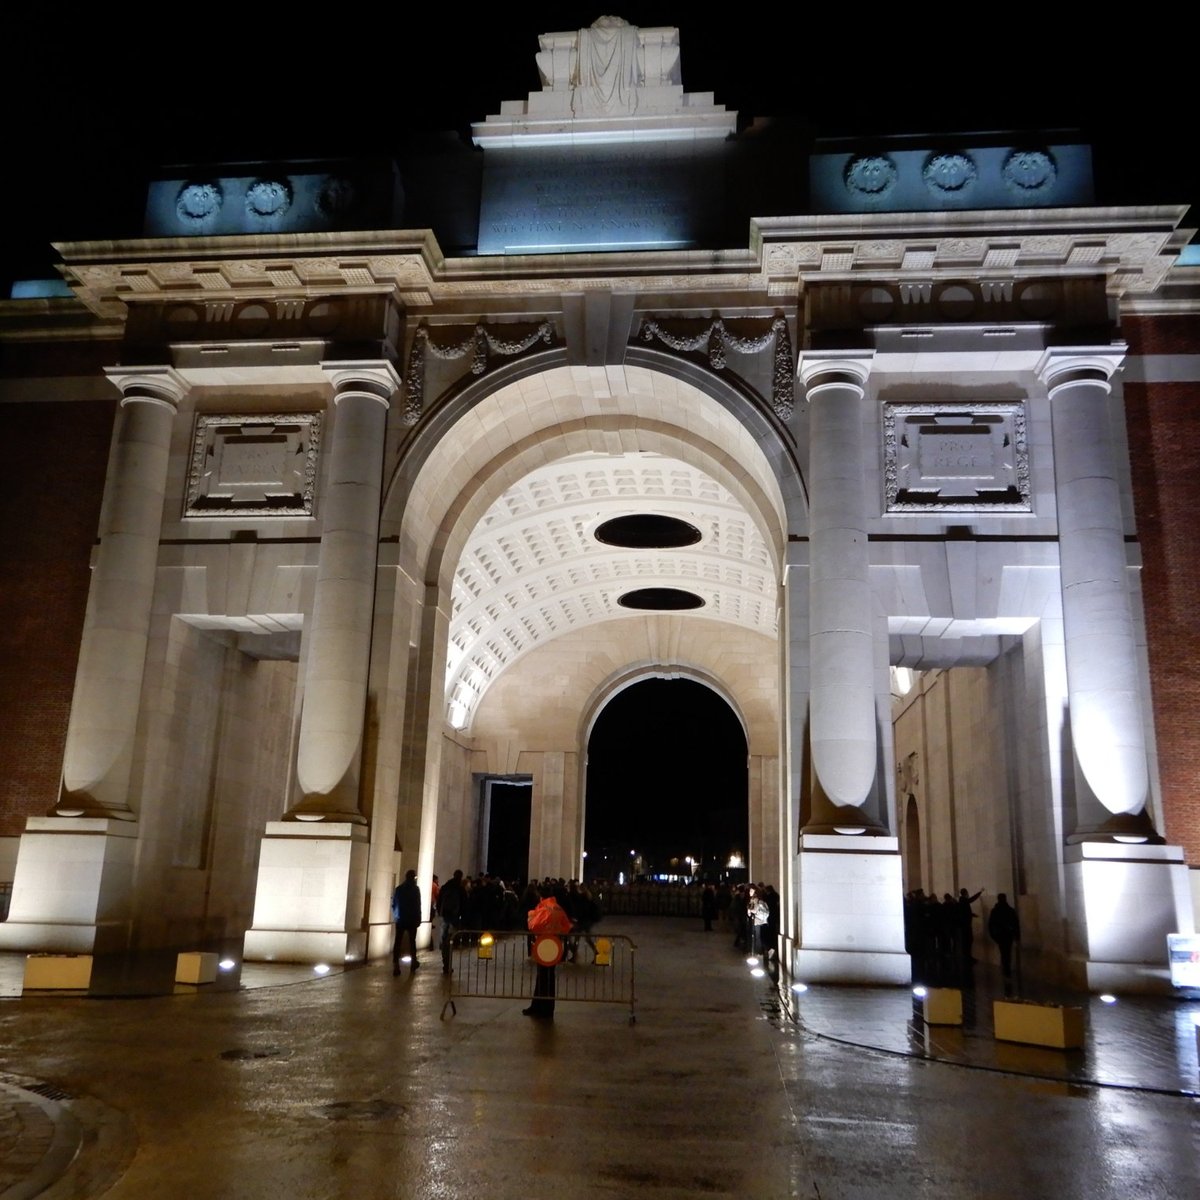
<point>533,567</point>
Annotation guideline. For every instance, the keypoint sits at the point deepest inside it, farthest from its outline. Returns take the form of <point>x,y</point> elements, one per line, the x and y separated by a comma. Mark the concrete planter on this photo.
<point>942,1006</point>
<point>1033,1024</point>
<point>46,971</point>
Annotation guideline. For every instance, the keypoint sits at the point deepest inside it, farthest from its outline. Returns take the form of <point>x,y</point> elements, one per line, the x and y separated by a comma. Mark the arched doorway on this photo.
<point>667,782</point>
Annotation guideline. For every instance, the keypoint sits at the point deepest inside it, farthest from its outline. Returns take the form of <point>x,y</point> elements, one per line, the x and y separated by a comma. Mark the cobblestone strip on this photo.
<point>58,1149</point>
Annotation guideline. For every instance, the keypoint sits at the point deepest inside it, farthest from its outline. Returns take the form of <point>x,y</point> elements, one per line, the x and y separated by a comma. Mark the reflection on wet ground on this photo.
<point>152,973</point>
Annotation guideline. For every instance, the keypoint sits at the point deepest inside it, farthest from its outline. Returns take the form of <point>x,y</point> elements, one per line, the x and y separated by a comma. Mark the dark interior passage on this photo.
<point>667,779</point>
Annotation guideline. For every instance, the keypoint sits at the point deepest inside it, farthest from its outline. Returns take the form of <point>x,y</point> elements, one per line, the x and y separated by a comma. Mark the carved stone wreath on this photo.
<point>716,338</point>
<point>1026,171</point>
<point>952,172</point>
<point>198,200</point>
<point>871,175</point>
<point>268,198</point>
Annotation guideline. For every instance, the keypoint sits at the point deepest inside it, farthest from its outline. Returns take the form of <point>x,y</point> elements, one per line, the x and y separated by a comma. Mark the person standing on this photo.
<point>406,913</point>
<point>450,908</point>
<point>547,919</point>
<point>1004,928</point>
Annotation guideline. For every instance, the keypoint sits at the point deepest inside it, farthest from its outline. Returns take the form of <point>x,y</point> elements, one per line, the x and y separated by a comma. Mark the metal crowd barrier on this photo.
<point>504,969</point>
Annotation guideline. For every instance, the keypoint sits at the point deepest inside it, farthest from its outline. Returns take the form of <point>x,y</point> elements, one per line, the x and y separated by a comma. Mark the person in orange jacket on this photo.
<point>548,918</point>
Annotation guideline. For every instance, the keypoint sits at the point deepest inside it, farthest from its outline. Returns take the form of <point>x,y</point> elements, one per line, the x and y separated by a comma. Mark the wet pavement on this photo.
<point>726,1086</point>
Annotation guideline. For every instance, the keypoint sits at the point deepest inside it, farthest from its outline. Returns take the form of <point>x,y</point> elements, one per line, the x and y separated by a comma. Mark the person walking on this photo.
<point>406,913</point>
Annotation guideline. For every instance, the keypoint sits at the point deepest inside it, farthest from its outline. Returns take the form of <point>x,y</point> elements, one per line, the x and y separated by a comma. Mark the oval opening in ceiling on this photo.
<point>661,599</point>
<point>647,531</point>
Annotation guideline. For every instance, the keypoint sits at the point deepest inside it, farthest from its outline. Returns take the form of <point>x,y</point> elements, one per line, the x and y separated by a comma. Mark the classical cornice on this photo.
<point>1131,248</point>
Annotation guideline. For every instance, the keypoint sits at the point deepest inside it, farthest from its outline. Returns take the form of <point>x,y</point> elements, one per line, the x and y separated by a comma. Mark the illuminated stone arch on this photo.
<point>571,421</point>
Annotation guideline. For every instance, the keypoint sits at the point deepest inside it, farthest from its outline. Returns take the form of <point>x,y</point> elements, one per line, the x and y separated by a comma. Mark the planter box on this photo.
<point>942,1006</point>
<point>46,971</point>
<point>195,966</point>
<point>1038,1024</point>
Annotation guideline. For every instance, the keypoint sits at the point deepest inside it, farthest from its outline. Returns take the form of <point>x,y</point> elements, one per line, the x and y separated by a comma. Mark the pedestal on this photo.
<point>1125,900</point>
<point>308,901</point>
<point>44,972</point>
<point>72,888</point>
<point>1057,1026</point>
<point>195,966</point>
<point>851,911</point>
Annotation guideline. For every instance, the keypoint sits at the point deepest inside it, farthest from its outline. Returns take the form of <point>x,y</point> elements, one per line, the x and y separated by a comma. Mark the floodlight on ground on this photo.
<point>227,964</point>
<point>919,992</point>
<point>758,972</point>
<point>799,988</point>
<point>752,961</point>
<point>321,969</point>
<point>1107,998</point>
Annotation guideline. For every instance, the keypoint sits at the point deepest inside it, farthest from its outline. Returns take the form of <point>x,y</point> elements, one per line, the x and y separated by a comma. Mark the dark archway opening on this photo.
<point>666,781</point>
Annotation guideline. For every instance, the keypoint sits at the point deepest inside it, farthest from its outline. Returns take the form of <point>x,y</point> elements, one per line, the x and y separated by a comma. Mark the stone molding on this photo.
<point>913,485</point>
<point>245,440</point>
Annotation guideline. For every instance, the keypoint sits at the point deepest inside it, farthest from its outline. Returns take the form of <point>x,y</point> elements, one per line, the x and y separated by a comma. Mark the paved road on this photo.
<point>352,1086</point>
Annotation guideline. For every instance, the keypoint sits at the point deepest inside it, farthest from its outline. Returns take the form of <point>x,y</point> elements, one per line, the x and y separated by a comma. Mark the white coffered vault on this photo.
<point>348,564</point>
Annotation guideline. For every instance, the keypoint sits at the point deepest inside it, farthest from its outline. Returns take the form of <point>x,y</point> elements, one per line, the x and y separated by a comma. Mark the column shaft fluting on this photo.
<point>1100,642</point>
<point>112,658</point>
<point>339,633</point>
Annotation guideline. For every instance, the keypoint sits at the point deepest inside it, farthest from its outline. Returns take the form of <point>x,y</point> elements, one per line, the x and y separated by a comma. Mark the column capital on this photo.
<point>159,384</point>
<point>1066,366</point>
<point>820,369</point>
<point>376,378</point>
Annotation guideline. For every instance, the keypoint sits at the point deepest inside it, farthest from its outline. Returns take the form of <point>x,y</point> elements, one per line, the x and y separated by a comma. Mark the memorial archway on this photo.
<point>517,623</point>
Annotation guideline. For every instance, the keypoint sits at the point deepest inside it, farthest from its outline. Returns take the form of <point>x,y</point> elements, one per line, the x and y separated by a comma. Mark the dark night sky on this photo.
<point>95,102</point>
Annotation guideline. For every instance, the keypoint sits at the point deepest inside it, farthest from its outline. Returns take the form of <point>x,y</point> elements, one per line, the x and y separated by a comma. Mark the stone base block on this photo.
<point>72,886</point>
<point>46,971</point>
<point>851,911</point>
<point>195,966</point>
<point>1057,1026</point>
<point>54,938</point>
<point>942,1006</point>
<point>851,966</point>
<point>311,889</point>
<point>1125,899</point>
<point>305,946</point>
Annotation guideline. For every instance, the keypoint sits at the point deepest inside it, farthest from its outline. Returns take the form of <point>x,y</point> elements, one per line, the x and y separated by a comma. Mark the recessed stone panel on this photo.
<point>952,459</point>
<point>261,465</point>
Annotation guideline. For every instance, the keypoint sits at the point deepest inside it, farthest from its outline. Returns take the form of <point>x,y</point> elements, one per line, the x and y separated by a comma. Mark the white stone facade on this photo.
<point>334,588</point>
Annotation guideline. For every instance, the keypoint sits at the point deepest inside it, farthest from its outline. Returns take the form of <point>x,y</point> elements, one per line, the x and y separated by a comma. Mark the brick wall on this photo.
<point>54,466</point>
<point>1164,447</point>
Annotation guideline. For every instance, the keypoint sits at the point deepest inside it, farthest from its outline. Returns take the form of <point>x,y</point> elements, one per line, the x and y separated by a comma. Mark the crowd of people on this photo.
<point>481,902</point>
<point>939,935</point>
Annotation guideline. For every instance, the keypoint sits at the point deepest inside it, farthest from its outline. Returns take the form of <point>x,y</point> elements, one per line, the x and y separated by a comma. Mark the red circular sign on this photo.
<point>547,950</point>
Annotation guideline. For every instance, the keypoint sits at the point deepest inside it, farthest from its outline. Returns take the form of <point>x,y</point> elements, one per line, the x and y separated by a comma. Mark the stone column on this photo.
<point>841,628</point>
<point>310,894</point>
<point>339,634</point>
<point>850,922</point>
<point>73,884</point>
<point>1103,664</point>
<point>112,656</point>
<point>1125,891</point>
